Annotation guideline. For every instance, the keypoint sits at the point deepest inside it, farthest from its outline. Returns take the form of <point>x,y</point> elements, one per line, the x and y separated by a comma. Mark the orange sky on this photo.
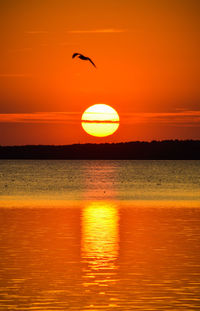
<point>147,57</point>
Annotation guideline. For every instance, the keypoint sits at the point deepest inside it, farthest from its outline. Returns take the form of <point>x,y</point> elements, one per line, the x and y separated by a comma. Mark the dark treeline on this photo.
<point>168,149</point>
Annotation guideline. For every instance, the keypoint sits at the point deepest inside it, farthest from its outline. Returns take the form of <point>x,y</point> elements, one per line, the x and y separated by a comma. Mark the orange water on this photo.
<point>101,256</point>
<point>104,253</point>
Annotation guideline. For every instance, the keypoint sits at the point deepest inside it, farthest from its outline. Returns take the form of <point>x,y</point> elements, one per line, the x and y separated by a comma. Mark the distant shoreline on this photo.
<point>154,150</point>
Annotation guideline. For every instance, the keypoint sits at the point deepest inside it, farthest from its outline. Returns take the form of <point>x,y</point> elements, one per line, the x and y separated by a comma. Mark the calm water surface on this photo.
<point>100,235</point>
<point>100,180</point>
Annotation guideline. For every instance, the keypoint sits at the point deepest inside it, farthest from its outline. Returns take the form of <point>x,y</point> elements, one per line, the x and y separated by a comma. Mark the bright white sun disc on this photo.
<point>100,120</point>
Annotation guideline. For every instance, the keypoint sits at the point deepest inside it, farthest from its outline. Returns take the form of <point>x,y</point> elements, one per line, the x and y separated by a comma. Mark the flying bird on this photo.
<point>81,56</point>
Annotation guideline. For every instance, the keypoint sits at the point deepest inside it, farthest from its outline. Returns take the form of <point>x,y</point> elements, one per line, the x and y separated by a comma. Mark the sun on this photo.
<point>100,120</point>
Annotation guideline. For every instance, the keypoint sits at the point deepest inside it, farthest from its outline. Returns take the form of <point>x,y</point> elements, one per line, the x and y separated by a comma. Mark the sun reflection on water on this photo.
<point>100,234</point>
<point>100,243</point>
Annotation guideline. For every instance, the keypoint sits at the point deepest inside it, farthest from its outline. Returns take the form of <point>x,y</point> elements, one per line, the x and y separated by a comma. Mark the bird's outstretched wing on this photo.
<point>81,56</point>
<point>91,62</point>
<point>75,54</point>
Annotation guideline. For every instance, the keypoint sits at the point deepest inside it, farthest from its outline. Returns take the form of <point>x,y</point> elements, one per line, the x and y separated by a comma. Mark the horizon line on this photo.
<point>108,143</point>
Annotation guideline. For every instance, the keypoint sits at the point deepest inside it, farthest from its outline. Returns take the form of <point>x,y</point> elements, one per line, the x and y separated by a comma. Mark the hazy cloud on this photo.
<point>100,121</point>
<point>97,31</point>
<point>40,117</point>
<point>181,118</point>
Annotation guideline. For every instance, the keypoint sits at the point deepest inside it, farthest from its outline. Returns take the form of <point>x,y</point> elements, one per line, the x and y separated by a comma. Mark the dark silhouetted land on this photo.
<point>158,150</point>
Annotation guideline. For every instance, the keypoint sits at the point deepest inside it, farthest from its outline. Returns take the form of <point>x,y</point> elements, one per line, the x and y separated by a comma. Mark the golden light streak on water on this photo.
<point>100,235</point>
<point>100,250</point>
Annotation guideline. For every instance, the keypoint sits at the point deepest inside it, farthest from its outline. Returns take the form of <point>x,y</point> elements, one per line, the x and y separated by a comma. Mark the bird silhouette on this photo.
<point>81,56</point>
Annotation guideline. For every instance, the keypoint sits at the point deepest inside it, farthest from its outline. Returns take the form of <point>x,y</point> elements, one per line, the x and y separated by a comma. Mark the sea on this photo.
<point>99,235</point>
